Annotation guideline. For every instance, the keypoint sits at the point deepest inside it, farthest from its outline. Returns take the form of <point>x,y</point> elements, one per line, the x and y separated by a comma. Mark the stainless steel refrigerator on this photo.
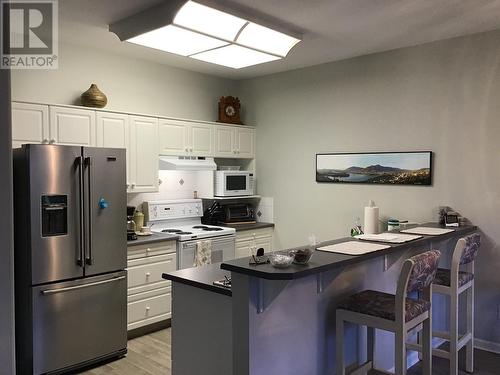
<point>70,257</point>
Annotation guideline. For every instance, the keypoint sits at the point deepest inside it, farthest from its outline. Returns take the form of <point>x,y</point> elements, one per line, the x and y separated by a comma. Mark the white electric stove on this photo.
<point>183,218</point>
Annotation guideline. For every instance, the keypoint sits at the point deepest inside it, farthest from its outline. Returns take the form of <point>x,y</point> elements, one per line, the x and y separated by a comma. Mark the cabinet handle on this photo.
<point>148,274</point>
<point>148,249</point>
<point>133,185</point>
<point>191,149</point>
<point>45,141</point>
<point>187,149</point>
<point>52,141</point>
<point>148,308</point>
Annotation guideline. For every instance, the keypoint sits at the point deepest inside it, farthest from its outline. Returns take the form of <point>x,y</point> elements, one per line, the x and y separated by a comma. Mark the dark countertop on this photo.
<point>323,261</point>
<point>254,226</point>
<point>201,277</point>
<point>155,237</point>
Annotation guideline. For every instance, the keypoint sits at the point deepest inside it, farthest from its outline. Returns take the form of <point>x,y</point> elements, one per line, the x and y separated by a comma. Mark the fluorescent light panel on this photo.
<point>266,39</point>
<point>209,21</point>
<point>176,40</point>
<point>235,56</point>
<point>217,37</point>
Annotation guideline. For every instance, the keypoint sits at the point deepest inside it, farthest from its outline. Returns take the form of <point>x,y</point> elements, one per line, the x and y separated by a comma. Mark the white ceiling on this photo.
<point>332,29</point>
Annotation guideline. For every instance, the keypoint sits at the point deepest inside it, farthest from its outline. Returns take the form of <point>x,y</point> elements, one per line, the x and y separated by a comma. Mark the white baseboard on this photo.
<point>488,346</point>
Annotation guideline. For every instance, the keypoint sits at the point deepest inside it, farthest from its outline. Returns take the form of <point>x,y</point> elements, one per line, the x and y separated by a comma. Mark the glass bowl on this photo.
<point>280,260</point>
<point>302,256</point>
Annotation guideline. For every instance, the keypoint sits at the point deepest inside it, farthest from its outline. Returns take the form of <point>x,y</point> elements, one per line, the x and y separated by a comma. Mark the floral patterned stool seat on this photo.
<point>454,282</point>
<point>443,277</point>
<point>383,305</point>
<point>395,313</point>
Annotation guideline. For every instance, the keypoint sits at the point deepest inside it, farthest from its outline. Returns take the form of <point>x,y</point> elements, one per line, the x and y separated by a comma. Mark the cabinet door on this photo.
<point>144,154</point>
<point>201,140</point>
<point>243,249</point>
<point>245,143</point>
<point>30,124</point>
<point>72,126</point>
<point>113,130</point>
<point>225,142</point>
<point>173,138</point>
<point>266,243</point>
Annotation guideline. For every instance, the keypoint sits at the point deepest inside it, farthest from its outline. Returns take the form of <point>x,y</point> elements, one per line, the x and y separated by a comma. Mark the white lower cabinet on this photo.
<point>248,241</point>
<point>149,295</point>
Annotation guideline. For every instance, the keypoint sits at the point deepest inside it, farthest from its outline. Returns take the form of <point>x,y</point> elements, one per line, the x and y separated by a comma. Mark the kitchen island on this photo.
<point>282,321</point>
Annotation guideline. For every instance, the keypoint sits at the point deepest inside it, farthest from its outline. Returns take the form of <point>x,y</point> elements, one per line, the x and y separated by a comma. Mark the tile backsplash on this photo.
<point>174,185</point>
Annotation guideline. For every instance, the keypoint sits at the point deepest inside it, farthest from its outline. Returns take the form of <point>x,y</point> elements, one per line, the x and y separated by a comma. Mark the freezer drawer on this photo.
<point>79,321</point>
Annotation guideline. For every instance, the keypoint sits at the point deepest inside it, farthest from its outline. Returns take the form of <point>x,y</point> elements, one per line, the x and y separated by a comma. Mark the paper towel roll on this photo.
<point>371,218</point>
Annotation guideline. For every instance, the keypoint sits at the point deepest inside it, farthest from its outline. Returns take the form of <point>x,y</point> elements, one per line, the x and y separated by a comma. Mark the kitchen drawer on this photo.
<point>149,310</point>
<point>151,249</point>
<point>248,235</point>
<point>145,274</point>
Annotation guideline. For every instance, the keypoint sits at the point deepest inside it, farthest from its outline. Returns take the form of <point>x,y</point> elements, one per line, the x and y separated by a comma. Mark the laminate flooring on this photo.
<point>146,355</point>
<point>150,355</point>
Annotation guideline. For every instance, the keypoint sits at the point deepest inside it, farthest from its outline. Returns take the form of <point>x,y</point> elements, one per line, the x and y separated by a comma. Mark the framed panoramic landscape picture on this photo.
<point>393,168</point>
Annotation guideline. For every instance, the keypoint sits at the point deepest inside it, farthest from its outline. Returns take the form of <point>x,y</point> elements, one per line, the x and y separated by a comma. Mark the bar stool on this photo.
<point>453,283</point>
<point>394,313</point>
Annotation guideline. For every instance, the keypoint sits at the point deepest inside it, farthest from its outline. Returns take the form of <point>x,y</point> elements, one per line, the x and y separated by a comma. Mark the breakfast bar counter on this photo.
<point>282,321</point>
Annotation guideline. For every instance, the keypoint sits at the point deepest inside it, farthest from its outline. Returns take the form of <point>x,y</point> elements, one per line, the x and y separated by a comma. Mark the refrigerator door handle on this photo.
<point>88,255</point>
<point>70,288</point>
<point>79,164</point>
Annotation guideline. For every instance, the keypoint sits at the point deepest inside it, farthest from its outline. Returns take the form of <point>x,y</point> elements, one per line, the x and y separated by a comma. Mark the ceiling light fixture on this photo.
<point>204,33</point>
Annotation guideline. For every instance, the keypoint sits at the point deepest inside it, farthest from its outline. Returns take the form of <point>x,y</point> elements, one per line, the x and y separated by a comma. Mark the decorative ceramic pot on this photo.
<point>94,97</point>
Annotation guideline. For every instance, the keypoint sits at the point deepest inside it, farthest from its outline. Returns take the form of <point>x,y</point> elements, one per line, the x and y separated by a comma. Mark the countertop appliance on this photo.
<point>182,217</point>
<point>233,183</point>
<point>229,213</point>
<point>131,226</point>
<point>70,257</point>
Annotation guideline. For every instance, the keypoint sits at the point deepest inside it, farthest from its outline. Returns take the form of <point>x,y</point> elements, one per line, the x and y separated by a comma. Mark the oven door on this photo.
<point>222,250</point>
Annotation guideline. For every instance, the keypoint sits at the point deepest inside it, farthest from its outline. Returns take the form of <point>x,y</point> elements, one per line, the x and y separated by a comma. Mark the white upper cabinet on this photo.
<point>245,143</point>
<point>30,124</point>
<point>201,139</point>
<point>144,154</point>
<point>173,137</point>
<point>113,130</point>
<point>180,138</point>
<point>72,126</point>
<point>234,142</point>
<point>224,142</point>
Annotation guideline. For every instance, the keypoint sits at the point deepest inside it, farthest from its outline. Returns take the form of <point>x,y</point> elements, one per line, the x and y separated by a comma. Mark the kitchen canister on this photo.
<point>138,220</point>
<point>371,218</point>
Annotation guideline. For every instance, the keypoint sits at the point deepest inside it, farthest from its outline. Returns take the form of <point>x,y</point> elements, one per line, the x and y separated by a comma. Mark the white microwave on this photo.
<point>233,183</point>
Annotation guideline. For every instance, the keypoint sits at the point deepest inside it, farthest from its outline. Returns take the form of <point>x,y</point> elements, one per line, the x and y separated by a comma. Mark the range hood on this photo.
<point>187,163</point>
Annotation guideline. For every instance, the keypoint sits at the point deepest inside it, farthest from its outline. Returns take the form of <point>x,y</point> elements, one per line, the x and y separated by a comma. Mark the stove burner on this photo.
<point>171,231</point>
<point>207,229</point>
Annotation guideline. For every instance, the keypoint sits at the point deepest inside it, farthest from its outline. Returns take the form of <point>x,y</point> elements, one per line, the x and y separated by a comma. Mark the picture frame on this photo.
<point>386,168</point>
